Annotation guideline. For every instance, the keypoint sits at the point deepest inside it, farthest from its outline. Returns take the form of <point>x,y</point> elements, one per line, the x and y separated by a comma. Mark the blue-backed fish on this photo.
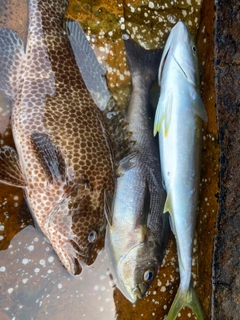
<point>65,159</point>
<point>178,120</point>
<point>137,232</point>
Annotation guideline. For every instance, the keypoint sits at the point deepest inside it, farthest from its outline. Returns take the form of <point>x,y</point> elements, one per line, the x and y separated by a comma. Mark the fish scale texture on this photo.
<point>53,101</point>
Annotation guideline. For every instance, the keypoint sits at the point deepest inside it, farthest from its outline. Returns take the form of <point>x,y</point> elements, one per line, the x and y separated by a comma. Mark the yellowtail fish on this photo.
<point>65,160</point>
<point>137,233</point>
<point>178,120</point>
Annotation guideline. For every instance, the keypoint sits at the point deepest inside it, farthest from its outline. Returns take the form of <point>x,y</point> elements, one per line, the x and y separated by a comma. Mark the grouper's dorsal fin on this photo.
<point>122,142</point>
<point>11,57</point>
<point>94,78</point>
<point>90,69</point>
<point>49,157</point>
<point>10,170</point>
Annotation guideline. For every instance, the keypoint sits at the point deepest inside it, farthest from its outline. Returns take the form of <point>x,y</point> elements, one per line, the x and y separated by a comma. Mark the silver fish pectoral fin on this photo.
<point>11,56</point>
<point>197,105</point>
<point>126,164</point>
<point>10,170</point>
<point>108,200</point>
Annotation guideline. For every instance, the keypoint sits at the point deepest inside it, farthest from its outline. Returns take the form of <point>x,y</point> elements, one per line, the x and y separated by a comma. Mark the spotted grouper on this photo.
<point>65,158</point>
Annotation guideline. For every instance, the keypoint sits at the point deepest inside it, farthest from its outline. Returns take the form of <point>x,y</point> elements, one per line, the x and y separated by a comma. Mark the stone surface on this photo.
<point>226,278</point>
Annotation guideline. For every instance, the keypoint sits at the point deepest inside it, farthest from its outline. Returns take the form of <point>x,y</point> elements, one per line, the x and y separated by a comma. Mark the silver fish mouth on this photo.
<point>136,292</point>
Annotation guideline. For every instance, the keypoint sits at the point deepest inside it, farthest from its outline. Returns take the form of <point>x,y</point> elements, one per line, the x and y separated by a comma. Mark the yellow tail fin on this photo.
<point>186,299</point>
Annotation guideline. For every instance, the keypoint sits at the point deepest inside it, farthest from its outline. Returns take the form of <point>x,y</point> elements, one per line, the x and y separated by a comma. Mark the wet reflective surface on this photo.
<point>34,284</point>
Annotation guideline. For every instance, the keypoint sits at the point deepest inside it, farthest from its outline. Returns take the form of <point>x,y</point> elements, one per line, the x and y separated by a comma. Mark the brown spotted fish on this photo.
<point>65,158</point>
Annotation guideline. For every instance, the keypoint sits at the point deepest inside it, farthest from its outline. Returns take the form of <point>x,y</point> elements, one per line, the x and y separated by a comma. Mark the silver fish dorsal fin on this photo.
<point>10,170</point>
<point>11,56</point>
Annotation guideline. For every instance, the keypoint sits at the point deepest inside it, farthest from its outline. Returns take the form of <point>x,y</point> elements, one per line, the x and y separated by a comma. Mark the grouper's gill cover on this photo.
<point>65,157</point>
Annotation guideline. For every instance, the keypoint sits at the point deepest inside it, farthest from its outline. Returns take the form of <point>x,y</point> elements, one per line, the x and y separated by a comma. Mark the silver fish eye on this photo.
<point>92,237</point>
<point>194,49</point>
<point>148,275</point>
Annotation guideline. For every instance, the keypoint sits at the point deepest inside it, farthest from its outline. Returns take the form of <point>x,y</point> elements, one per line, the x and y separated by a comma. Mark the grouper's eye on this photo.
<point>92,237</point>
<point>148,275</point>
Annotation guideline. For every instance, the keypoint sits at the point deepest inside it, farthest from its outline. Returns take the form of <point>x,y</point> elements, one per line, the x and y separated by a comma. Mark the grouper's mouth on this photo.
<point>79,259</point>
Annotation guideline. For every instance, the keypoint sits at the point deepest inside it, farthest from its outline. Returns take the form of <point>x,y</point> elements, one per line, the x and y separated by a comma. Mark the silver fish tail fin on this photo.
<point>143,64</point>
<point>11,56</point>
<point>186,299</point>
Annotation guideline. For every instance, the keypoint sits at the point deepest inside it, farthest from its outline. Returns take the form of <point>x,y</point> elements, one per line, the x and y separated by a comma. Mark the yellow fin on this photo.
<point>163,114</point>
<point>186,299</point>
<point>168,205</point>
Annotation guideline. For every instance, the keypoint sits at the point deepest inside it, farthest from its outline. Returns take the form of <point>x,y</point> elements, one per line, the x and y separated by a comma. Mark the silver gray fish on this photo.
<point>137,233</point>
<point>178,120</point>
<point>65,159</point>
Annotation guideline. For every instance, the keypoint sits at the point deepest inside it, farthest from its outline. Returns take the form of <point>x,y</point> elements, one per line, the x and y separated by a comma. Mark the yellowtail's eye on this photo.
<point>148,275</point>
<point>92,237</point>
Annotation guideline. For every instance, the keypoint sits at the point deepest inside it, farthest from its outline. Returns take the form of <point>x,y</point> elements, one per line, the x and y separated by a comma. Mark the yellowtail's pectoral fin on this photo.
<point>198,106</point>
<point>10,170</point>
<point>168,204</point>
<point>163,114</point>
<point>186,299</point>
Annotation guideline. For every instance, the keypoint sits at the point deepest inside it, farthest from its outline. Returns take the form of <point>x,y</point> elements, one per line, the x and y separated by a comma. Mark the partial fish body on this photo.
<point>137,233</point>
<point>178,120</point>
<point>65,162</point>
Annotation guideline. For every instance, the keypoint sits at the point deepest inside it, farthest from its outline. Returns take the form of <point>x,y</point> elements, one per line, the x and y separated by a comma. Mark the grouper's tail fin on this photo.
<point>143,64</point>
<point>186,299</point>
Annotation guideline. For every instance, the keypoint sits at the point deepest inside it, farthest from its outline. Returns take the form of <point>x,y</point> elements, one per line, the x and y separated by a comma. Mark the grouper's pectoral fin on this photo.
<point>11,57</point>
<point>163,114</point>
<point>49,157</point>
<point>10,170</point>
<point>90,69</point>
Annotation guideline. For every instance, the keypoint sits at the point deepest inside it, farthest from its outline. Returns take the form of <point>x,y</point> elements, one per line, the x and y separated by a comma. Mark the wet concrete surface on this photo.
<point>225,302</point>
<point>226,265</point>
